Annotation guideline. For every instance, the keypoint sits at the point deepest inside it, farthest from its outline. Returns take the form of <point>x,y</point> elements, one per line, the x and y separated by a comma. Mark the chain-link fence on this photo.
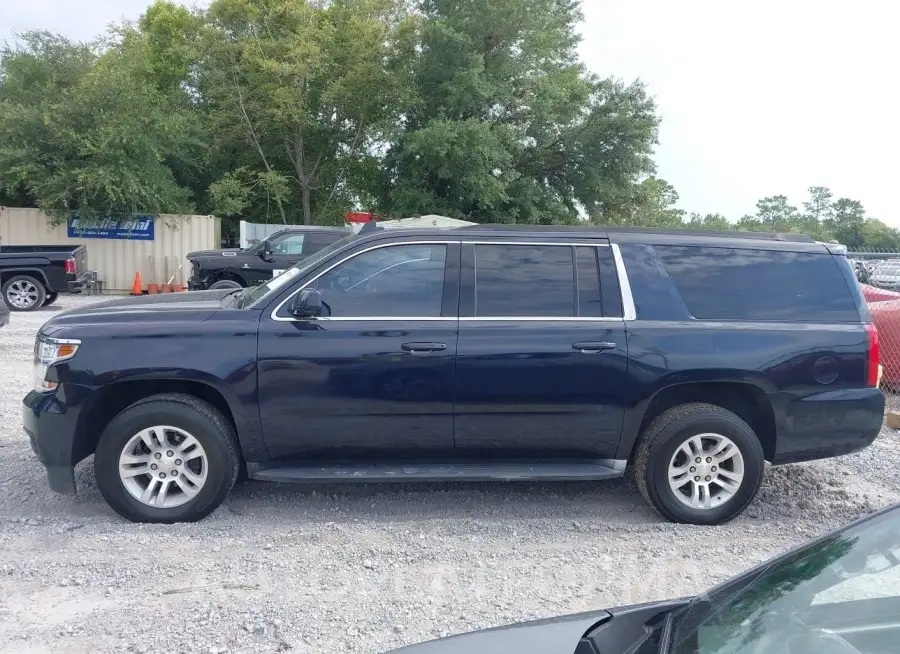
<point>878,273</point>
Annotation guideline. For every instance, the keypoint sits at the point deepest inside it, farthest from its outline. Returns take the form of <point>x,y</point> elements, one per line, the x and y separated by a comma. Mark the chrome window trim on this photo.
<point>567,244</point>
<point>624,286</point>
<point>541,319</point>
<point>352,255</point>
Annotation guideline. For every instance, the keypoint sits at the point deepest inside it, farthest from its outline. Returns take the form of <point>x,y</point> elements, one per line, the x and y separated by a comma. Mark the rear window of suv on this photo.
<point>759,285</point>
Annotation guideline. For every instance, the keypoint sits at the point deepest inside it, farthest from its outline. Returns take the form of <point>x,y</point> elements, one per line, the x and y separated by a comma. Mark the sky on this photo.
<point>756,99</point>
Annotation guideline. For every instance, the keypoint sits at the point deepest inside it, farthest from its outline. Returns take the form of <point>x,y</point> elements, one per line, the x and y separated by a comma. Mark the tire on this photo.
<point>50,299</point>
<point>224,283</point>
<point>24,293</point>
<point>178,412</point>
<point>660,446</point>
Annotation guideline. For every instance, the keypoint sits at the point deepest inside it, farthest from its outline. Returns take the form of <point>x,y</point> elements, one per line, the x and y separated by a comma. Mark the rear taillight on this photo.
<point>874,355</point>
<point>71,266</point>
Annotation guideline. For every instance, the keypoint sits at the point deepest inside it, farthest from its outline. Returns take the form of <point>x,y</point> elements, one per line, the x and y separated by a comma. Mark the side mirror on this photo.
<point>266,252</point>
<point>307,304</point>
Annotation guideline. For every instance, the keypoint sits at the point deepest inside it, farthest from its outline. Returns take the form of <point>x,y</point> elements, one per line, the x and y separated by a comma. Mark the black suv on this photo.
<point>236,268</point>
<point>685,359</point>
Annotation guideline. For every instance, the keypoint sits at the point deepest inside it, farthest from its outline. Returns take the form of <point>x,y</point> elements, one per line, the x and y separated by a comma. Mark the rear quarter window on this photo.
<point>759,285</point>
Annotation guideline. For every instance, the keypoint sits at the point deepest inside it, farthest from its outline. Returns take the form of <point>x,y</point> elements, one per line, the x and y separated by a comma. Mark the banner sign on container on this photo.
<point>137,229</point>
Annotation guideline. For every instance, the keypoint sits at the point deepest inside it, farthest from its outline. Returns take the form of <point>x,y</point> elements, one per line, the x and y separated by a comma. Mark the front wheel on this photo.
<point>698,464</point>
<point>167,458</point>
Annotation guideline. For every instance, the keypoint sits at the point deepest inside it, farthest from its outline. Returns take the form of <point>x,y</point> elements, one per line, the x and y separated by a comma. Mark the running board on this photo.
<point>363,472</point>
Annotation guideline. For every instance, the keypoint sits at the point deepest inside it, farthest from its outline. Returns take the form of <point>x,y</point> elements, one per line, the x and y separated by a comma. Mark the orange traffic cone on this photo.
<point>136,287</point>
<point>152,289</point>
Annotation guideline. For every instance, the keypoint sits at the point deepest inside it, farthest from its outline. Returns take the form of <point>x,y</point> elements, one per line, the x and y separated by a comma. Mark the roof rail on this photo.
<point>758,236</point>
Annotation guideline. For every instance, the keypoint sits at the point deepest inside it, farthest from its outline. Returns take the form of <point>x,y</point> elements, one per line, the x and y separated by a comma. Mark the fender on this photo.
<point>635,416</point>
<point>247,426</point>
<point>35,272</point>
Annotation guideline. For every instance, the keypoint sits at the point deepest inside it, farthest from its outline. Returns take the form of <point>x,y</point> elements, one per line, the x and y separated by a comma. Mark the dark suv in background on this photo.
<point>685,359</point>
<point>237,268</point>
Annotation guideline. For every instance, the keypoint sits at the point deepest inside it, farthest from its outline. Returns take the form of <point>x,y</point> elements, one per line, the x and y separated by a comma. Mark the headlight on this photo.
<point>47,352</point>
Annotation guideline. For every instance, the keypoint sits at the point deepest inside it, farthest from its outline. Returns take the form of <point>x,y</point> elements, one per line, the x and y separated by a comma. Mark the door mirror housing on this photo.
<point>307,304</point>
<point>266,252</point>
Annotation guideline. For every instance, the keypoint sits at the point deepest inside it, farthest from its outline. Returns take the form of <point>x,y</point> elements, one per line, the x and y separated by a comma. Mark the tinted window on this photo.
<point>589,302</point>
<point>315,241</point>
<point>391,282</point>
<point>736,284</point>
<point>524,280</point>
<point>291,244</point>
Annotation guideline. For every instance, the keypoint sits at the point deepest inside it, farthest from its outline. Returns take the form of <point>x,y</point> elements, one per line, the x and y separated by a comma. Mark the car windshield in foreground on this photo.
<point>252,296</point>
<point>840,594</point>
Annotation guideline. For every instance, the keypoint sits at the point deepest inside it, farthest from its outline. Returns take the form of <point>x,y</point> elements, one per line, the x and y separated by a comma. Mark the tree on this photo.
<point>775,214</point>
<point>847,225</point>
<point>654,206</point>
<point>710,221</point>
<point>84,131</point>
<point>819,206</point>
<point>300,95</point>
<point>505,124</point>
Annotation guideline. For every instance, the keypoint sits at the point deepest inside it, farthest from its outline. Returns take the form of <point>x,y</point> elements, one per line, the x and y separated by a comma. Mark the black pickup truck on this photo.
<point>32,276</point>
<point>236,268</point>
<point>685,359</point>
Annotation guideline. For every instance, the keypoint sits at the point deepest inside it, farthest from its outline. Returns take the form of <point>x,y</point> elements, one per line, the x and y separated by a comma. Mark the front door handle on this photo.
<point>421,348</point>
<point>591,347</point>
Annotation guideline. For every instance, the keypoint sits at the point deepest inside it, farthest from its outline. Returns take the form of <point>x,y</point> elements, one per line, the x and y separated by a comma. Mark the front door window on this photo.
<point>390,282</point>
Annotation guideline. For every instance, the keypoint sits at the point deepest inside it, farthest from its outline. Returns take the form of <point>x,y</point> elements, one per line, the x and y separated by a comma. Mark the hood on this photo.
<point>208,254</point>
<point>193,305</point>
<point>552,636</point>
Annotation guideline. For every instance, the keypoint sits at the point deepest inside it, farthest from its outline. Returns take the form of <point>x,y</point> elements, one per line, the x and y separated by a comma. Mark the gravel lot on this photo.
<point>366,568</point>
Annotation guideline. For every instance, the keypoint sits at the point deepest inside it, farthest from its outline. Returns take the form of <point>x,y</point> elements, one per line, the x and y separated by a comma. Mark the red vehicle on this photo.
<point>885,309</point>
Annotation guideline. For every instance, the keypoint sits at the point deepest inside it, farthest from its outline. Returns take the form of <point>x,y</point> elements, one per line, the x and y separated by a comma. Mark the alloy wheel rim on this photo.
<point>163,467</point>
<point>706,471</point>
<point>22,294</point>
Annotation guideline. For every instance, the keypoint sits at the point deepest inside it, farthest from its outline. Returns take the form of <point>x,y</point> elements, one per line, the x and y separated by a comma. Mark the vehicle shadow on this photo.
<point>789,493</point>
<point>413,501</point>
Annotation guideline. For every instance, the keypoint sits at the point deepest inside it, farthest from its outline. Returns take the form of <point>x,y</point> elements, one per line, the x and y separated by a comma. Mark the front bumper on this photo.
<point>50,426</point>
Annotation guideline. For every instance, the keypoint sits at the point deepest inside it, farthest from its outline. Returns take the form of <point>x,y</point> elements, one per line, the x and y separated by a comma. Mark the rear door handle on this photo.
<point>591,347</point>
<point>421,348</point>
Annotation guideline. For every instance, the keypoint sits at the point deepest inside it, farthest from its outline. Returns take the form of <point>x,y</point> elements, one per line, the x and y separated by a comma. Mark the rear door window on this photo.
<point>759,285</point>
<point>541,281</point>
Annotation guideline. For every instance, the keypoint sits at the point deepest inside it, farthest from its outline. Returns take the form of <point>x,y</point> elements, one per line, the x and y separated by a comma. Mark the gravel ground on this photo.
<point>366,568</point>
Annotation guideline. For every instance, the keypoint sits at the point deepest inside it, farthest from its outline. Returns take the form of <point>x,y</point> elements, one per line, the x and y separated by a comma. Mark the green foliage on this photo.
<point>300,110</point>
<point>86,132</point>
<point>301,94</point>
<point>504,124</point>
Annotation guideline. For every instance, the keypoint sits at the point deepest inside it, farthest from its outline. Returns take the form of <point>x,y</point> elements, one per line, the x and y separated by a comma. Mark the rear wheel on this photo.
<point>50,299</point>
<point>698,464</point>
<point>23,293</point>
<point>167,458</point>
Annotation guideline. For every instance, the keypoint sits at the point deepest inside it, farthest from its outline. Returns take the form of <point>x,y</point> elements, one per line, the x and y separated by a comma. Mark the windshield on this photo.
<point>258,293</point>
<point>257,247</point>
<point>841,594</point>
